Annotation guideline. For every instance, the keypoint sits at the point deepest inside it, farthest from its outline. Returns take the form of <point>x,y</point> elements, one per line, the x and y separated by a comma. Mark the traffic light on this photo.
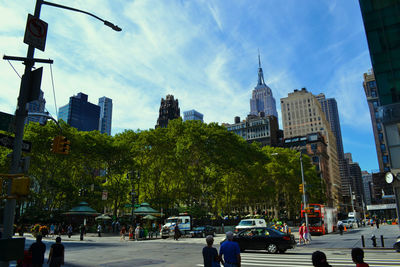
<point>20,186</point>
<point>301,188</point>
<point>60,145</point>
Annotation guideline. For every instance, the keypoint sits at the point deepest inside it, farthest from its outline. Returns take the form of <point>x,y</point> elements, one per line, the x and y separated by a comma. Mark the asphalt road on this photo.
<point>111,251</point>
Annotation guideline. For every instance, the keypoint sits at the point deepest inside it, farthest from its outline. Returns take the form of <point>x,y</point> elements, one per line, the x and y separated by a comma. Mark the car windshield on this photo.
<point>246,223</point>
<point>199,228</point>
<point>172,220</point>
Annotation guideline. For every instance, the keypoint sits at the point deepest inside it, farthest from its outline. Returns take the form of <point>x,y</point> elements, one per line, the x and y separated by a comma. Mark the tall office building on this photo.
<point>371,92</point>
<point>357,190</point>
<point>368,186</point>
<point>262,99</point>
<point>106,106</point>
<point>330,109</point>
<point>382,27</point>
<point>192,115</point>
<point>301,115</point>
<point>36,106</point>
<point>81,114</point>
<point>169,110</point>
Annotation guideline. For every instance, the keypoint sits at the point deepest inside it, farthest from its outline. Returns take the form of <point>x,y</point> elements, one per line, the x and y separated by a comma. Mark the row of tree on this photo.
<point>201,167</point>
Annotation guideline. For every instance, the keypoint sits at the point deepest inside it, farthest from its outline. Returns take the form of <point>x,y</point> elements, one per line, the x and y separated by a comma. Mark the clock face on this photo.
<point>389,177</point>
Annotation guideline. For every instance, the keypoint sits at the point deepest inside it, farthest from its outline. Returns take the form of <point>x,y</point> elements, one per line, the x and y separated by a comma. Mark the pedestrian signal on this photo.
<point>20,186</point>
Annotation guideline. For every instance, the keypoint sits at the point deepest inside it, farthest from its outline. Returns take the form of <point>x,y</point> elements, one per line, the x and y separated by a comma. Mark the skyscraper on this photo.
<point>36,106</point>
<point>169,110</point>
<point>106,106</point>
<point>371,92</point>
<point>301,115</point>
<point>262,99</point>
<point>81,114</point>
<point>192,114</point>
<point>330,109</point>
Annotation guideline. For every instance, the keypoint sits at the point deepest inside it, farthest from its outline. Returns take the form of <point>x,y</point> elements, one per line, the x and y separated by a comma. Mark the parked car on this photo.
<point>348,224</point>
<point>260,238</point>
<point>203,231</point>
<point>249,223</point>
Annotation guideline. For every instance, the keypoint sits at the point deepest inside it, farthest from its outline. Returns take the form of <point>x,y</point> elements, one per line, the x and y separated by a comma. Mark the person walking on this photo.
<point>231,252</point>
<point>56,256</point>
<point>285,228</point>
<point>52,229</point>
<point>377,221</point>
<point>307,235</point>
<point>210,254</point>
<point>357,255</point>
<point>123,232</point>
<point>318,259</point>
<point>340,227</point>
<point>37,250</point>
<point>99,230</point>
<point>69,231</point>
<point>137,232</point>
<point>301,233</point>
<point>177,232</point>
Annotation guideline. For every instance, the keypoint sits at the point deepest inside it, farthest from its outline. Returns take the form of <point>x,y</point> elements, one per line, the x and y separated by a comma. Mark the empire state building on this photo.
<point>262,99</point>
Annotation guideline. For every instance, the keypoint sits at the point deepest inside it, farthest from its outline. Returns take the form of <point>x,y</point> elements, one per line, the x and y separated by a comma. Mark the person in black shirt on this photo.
<point>56,256</point>
<point>38,249</point>
<point>210,254</point>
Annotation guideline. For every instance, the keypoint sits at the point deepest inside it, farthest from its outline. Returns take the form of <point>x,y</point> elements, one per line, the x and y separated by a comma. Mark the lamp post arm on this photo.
<point>35,114</point>
<point>107,23</point>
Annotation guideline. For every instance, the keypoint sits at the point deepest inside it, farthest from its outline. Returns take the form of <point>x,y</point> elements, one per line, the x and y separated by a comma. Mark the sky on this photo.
<point>204,52</point>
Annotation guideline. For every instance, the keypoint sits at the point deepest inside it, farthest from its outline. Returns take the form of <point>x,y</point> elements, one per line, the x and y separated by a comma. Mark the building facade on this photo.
<point>372,94</point>
<point>261,129</point>
<point>169,110</point>
<point>301,115</point>
<point>330,109</point>
<point>382,26</point>
<point>106,108</point>
<point>262,99</point>
<point>315,147</point>
<point>191,115</point>
<point>356,189</point>
<point>368,187</point>
<point>37,106</point>
<point>80,113</point>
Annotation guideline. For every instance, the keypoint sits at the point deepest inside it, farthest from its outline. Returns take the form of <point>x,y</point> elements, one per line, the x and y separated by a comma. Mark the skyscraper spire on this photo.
<point>260,71</point>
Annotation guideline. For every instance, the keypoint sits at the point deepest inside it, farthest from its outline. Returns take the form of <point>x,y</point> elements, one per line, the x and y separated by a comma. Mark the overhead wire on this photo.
<point>54,92</point>
<point>14,69</point>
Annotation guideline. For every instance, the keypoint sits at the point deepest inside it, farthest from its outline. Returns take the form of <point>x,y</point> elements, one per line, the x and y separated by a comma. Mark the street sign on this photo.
<point>8,141</point>
<point>6,122</point>
<point>35,32</point>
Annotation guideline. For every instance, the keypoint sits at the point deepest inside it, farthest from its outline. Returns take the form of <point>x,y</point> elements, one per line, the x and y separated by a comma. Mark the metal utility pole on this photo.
<point>20,116</point>
<point>304,187</point>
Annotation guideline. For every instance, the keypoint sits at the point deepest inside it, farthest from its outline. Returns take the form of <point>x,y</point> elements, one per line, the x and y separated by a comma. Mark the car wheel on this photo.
<point>272,248</point>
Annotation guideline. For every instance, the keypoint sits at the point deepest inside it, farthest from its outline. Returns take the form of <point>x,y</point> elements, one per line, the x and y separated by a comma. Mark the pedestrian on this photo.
<point>340,227</point>
<point>56,256</point>
<point>307,235</point>
<point>285,228</point>
<point>99,230</point>
<point>210,254</point>
<point>52,229</point>
<point>37,250</point>
<point>137,232</point>
<point>177,232</point>
<point>69,231</point>
<point>301,233</point>
<point>82,231</point>
<point>377,221</point>
<point>319,259</point>
<point>123,232</point>
<point>357,255</point>
<point>231,252</point>
<point>371,221</point>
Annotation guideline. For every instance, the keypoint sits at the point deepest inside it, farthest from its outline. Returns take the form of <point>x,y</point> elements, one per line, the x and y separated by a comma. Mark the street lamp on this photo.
<point>20,115</point>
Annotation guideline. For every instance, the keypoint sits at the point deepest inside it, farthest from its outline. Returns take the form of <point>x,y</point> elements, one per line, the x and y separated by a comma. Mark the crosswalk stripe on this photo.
<point>290,260</point>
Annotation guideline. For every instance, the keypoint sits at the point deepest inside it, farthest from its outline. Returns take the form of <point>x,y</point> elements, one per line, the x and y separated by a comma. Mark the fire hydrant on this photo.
<point>373,238</point>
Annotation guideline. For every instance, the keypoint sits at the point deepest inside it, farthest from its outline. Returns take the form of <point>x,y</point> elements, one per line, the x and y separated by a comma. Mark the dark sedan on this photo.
<point>260,238</point>
<point>203,231</point>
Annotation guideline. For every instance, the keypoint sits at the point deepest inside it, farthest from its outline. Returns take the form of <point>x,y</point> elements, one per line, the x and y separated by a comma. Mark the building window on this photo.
<point>383,147</point>
<point>380,135</point>
<point>379,126</point>
<point>373,93</point>
<point>385,159</point>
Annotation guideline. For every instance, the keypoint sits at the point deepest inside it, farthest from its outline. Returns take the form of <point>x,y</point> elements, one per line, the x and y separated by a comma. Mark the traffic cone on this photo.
<point>345,229</point>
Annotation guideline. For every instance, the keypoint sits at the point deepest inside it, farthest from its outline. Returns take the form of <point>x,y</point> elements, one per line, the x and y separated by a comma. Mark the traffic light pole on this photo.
<point>20,115</point>
<point>304,188</point>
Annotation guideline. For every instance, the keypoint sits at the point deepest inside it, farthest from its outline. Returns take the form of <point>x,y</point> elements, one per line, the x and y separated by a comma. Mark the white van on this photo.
<point>248,223</point>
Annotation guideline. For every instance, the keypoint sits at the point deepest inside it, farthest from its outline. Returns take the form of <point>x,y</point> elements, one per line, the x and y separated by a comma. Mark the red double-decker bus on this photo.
<point>321,220</point>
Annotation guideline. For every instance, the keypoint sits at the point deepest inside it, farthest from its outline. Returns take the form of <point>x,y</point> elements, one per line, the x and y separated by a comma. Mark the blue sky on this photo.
<point>204,52</point>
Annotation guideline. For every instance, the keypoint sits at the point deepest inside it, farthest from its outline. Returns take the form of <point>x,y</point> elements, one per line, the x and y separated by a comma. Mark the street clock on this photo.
<point>389,177</point>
